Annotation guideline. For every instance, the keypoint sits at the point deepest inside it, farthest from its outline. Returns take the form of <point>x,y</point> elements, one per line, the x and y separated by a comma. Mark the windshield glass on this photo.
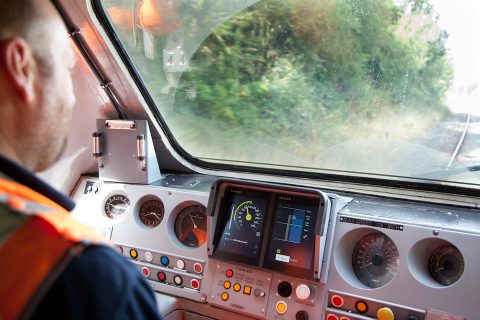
<point>365,87</point>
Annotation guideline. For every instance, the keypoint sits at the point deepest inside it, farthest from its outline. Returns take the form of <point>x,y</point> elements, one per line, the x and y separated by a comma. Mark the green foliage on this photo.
<point>290,68</point>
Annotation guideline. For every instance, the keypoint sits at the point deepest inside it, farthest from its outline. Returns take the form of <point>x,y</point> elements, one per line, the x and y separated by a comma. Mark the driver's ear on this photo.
<point>18,64</point>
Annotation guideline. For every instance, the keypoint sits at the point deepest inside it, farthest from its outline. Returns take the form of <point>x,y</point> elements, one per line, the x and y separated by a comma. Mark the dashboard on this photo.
<point>215,248</point>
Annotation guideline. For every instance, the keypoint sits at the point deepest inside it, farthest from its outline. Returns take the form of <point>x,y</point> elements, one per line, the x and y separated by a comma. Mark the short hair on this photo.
<point>23,18</point>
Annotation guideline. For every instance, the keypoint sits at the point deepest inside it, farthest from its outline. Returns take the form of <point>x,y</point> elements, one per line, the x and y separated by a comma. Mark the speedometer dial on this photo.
<point>375,260</point>
<point>191,226</point>
<point>247,213</point>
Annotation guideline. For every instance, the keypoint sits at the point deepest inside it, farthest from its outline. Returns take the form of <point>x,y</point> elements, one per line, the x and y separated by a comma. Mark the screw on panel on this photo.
<point>436,232</point>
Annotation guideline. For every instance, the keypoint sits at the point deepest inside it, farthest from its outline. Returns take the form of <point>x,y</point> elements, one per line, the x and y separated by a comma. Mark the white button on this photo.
<point>303,292</point>
<point>180,264</point>
<point>148,256</point>
<point>178,280</point>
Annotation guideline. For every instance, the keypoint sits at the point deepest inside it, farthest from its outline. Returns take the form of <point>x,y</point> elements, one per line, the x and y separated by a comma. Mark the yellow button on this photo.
<point>227,285</point>
<point>224,296</point>
<point>385,314</point>
<point>247,290</point>
<point>281,307</point>
<point>133,253</point>
<point>361,306</point>
<point>237,287</point>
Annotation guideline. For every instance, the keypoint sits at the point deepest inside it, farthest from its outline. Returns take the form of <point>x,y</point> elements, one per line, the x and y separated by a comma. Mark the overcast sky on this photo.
<point>461,19</point>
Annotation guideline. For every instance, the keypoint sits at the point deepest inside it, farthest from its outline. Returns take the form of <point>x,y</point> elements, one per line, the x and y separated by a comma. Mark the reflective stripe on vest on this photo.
<point>33,255</point>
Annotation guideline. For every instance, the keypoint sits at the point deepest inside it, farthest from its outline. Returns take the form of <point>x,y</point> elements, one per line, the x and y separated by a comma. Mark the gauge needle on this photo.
<point>194,225</point>
<point>249,216</point>
<point>364,266</point>
<point>155,214</point>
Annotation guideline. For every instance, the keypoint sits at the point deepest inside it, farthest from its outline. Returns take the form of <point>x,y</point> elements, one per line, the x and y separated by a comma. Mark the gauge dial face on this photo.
<point>248,214</point>
<point>151,213</point>
<point>117,206</point>
<point>446,265</point>
<point>191,226</point>
<point>375,260</point>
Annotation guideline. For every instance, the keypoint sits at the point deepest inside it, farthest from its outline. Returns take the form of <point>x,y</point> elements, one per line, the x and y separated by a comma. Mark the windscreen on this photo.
<point>386,88</point>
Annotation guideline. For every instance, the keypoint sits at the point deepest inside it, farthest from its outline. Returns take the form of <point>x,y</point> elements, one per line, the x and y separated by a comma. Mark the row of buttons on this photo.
<point>164,260</point>
<point>383,313</point>
<point>332,316</point>
<point>177,279</point>
<point>237,287</point>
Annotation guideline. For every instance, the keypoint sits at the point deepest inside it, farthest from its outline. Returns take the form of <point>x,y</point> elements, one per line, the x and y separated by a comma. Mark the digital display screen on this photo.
<point>292,240</point>
<point>243,222</point>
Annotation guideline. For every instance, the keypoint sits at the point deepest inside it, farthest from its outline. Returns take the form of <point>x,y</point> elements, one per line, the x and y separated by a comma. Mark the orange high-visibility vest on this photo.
<point>35,254</point>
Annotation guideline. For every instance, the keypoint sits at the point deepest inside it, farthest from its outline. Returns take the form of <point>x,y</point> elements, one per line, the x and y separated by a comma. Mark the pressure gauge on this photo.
<point>151,213</point>
<point>116,206</point>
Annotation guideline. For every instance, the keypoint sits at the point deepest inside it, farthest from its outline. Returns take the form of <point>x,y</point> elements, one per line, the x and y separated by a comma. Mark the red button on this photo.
<point>331,316</point>
<point>146,271</point>
<point>161,276</point>
<point>195,284</point>
<point>229,273</point>
<point>337,301</point>
<point>198,267</point>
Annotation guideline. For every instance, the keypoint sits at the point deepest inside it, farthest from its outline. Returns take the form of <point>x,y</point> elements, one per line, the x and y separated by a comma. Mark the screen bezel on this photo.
<point>216,209</point>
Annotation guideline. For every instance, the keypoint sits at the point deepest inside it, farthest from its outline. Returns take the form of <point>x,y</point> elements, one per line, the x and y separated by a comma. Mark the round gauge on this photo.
<point>116,206</point>
<point>375,260</point>
<point>446,265</point>
<point>247,213</point>
<point>151,213</point>
<point>191,226</point>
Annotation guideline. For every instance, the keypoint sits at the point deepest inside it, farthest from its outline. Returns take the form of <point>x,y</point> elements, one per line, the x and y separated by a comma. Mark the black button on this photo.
<point>301,315</point>
<point>284,289</point>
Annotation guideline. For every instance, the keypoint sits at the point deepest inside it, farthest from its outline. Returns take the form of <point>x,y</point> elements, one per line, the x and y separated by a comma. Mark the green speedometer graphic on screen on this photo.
<point>247,214</point>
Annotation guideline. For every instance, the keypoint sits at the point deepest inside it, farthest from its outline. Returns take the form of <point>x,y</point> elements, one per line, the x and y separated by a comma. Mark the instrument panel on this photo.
<point>252,250</point>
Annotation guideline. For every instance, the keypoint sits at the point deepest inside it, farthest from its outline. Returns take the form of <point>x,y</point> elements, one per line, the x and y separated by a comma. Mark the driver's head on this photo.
<point>36,61</point>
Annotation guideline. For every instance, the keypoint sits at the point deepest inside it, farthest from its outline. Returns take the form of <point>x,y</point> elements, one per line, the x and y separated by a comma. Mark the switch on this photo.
<point>259,293</point>
<point>301,315</point>
<point>224,296</point>
<point>281,307</point>
<point>227,285</point>
<point>284,289</point>
<point>385,314</point>
<point>133,253</point>
<point>146,271</point>
<point>361,306</point>
<point>198,267</point>
<point>177,280</point>
<point>164,260</point>
<point>247,290</point>
<point>148,256</point>
<point>180,264</point>
<point>302,292</point>
<point>161,276</point>
<point>337,301</point>
<point>194,283</point>
<point>237,287</point>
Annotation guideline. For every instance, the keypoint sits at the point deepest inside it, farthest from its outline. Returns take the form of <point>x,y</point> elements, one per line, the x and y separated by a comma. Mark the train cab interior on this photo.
<point>282,159</point>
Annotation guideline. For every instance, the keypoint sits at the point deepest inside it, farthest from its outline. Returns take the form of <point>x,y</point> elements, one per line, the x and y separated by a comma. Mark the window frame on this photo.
<point>278,171</point>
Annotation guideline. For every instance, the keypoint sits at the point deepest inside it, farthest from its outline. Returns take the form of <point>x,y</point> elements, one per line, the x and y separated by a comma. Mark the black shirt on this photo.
<point>98,284</point>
